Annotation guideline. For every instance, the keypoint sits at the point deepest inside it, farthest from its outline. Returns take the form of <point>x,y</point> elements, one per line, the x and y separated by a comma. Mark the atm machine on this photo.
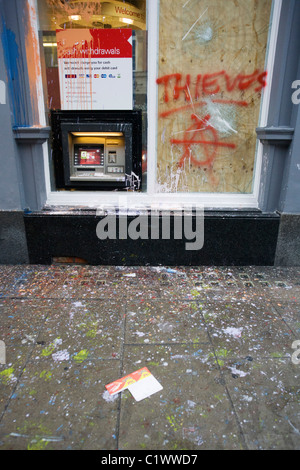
<point>97,150</point>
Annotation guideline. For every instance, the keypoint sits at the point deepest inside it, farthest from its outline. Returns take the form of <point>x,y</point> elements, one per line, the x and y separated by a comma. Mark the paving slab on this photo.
<point>61,406</point>
<point>290,313</point>
<point>91,327</point>
<point>164,321</point>
<point>266,398</point>
<point>242,328</point>
<point>193,411</point>
<point>20,324</point>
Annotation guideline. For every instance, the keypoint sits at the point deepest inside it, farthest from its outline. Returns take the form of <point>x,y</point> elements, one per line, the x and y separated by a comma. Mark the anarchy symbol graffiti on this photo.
<point>200,133</point>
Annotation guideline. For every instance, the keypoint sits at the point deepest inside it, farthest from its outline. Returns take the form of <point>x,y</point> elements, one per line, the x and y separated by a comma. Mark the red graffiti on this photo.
<point>202,103</point>
<point>209,84</point>
<point>196,135</point>
<point>202,132</point>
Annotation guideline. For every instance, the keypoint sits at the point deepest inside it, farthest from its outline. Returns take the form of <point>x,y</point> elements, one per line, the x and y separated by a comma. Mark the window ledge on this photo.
<point>31,135</point>
<point>280,135</point>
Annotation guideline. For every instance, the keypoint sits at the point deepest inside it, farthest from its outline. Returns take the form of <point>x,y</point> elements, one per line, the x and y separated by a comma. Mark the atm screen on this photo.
<point>89,155</point>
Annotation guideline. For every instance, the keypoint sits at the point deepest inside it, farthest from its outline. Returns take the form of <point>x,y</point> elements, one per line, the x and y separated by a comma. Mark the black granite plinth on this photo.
<point>13,249</point>
<point>230,238</point>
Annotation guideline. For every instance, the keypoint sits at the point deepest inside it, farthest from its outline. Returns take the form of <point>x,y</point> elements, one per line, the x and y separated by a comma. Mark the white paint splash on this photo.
<point>204,34</point>
<point>61,356</point>
<point>165,327</point>
<point>221,117</point>
<point>139,333</point>
<point>294,428</point>
<point>236,332</point>
<point>194,24</point>
<point>109,398</point>
<point>133,180</point>
<point>171,185</point>
<point>191,404</point>
<point>192,433</point>
<point>235,371</point>
<point>28,338</point>
<point>247,398</point>
<point>40,438</point>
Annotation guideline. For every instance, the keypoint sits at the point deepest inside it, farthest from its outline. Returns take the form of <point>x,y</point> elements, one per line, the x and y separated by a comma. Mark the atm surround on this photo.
<point>96,157</point>
<point>97,150</point>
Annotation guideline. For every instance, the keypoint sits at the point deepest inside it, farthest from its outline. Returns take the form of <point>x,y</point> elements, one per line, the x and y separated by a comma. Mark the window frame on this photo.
<point>150,198</point>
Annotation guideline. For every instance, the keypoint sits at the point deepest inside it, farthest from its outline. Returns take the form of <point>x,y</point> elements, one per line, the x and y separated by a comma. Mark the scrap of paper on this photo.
<point>140,383</point>
<point>145,388</point>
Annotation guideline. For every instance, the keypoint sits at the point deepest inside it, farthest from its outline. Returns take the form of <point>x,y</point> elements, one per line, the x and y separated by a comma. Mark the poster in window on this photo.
<point>95,69</point>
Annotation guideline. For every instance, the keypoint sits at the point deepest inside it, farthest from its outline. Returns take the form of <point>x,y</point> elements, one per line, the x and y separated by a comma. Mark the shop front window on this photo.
<point>199,72</point>
<point>94,56</point>
<point>211,78</point>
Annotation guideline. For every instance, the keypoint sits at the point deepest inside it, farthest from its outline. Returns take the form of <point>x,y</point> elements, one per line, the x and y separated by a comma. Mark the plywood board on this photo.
<point>211,78</point>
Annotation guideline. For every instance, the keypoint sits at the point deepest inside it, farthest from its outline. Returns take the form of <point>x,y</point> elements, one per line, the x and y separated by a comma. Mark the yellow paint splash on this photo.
<point>81,356</point>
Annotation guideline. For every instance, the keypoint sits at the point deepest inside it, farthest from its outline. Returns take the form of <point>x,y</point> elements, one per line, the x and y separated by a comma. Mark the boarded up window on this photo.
<point>211,78</point>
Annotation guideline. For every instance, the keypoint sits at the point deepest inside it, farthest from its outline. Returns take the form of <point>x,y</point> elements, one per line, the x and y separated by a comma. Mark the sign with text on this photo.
<point>95,69</point>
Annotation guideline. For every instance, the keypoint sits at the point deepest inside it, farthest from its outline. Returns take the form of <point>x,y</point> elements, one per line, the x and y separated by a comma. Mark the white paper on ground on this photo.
<point>144,388</point>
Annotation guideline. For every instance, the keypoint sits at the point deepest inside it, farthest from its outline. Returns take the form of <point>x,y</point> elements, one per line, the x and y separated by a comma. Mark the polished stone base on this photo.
<point>13,248</point>
<point>288,246</point>
<point>230,238</point>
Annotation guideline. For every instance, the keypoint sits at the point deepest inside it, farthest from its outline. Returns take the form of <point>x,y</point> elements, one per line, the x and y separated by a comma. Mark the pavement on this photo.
<point>221,342</point>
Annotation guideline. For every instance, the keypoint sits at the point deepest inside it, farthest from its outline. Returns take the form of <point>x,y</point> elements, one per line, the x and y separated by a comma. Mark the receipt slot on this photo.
<point>97,150</point>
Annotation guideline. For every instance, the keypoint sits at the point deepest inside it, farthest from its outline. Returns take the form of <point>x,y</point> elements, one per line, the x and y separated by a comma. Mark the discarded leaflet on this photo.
<point>141,384</point>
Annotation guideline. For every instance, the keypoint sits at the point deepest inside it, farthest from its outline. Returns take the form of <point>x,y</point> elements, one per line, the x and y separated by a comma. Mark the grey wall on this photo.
<point>13,245</point>
<point>289,201</point>
<point>23,182</point>
<point>10,195</point>
<point>280,181</point>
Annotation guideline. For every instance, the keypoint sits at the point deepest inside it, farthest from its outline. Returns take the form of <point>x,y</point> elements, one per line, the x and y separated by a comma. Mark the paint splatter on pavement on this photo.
<point>219,340</point>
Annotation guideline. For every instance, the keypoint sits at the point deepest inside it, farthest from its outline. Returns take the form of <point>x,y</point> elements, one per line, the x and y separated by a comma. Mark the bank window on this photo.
<point>200,74</point>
